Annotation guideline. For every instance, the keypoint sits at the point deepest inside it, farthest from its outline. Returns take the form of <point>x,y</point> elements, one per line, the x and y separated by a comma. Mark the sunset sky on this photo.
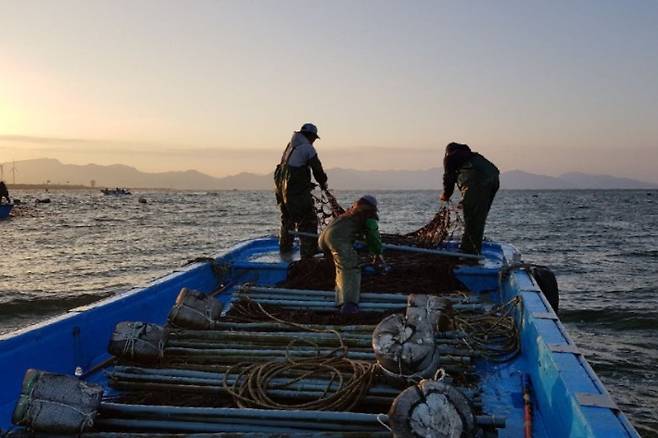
<point>219,86</point>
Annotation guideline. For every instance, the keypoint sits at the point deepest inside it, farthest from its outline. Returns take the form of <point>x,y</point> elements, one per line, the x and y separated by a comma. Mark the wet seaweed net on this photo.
<point>443,226</point>
<point>327,207</point>
<point>409,273</point>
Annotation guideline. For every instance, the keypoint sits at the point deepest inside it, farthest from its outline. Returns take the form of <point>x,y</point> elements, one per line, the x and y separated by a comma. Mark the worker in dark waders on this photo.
<point>358,222</point>
<point>477,179</point>
<point>293,187</point>
<point>4,192</point>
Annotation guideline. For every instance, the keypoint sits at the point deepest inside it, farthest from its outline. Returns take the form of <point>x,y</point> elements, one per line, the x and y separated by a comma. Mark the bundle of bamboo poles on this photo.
<point>324,301</point>
<point>232,349</point>
<point>140,418</point>
<point>228,347</point>
<point>206,361</point>
<point>134,378</point>
<point>215,362</point>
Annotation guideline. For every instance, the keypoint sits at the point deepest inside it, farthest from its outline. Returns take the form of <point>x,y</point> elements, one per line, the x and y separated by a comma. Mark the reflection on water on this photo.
<point>603,245</point>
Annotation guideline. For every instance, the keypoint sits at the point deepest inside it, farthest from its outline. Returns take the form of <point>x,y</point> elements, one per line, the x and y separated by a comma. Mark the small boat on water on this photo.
<point>213,368</point>
<point>5,210</point>
<point>118,191</point>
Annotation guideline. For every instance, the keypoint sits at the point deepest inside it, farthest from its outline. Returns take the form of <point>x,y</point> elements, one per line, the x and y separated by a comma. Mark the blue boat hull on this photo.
<point>5,209</point>
<point>569,399</point>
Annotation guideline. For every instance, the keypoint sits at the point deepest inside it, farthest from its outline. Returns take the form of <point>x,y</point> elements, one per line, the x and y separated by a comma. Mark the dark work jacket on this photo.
<point>461,165</point>
<point>292,181</point>
<point>299,180</point>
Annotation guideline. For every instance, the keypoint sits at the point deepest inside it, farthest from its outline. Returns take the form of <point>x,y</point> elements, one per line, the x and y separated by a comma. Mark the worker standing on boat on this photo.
<point>293,186</point>
<point>338,239</point>
<point>477,179</point>
<point>4,192</point>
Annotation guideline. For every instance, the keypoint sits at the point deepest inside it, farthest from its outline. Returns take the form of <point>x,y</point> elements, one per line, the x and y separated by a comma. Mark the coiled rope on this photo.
<point>350,378</point>
<point>493,334</point>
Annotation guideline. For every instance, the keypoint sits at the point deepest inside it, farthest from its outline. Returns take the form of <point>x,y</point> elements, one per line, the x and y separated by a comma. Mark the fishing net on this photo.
<point>327,208</point>
<point>445,223</point>
<point>409,272</point>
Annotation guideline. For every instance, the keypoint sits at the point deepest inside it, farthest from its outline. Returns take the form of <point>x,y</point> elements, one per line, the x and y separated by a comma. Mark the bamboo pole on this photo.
<point>276,326</point>
<point>197,426</point>
<point>365,296</point>
<point>241,414</point>
<point>407,248</point>
<point>330,306</point>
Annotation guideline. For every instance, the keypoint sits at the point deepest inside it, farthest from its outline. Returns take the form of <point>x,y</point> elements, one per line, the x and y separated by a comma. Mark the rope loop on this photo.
<point>348,383</point>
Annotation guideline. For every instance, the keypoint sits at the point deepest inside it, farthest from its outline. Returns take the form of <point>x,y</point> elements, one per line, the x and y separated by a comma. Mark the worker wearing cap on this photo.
<point>293,188</point>
<point>477,179</point>
<point>358,222</point>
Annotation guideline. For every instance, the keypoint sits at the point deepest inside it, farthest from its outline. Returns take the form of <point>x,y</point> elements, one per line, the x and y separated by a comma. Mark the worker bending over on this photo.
<point>477,179</point>
<point>292,180</point>
<point>358,222</point>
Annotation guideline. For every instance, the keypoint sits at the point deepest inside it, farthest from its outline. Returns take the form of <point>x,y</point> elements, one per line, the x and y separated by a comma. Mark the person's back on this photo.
<point>344,227</point>
<point>338,238</point>
<point>302,159</point>
<point>292,180</point>
<point>478,180</point>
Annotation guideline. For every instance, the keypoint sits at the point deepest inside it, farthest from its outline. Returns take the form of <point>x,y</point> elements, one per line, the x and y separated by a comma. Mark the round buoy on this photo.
<point>142,200</point>
<point>433,409</point>
<point>404,351</point>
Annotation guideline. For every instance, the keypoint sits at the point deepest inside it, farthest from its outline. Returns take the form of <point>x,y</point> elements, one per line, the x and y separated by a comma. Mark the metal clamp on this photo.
<point>564,348</point>
<point>596,400</point>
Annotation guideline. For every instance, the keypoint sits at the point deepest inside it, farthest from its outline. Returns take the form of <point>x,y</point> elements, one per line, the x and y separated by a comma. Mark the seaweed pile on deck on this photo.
<point>409,273</point>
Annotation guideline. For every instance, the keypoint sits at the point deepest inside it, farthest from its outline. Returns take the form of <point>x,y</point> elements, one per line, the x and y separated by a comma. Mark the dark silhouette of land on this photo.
<point>52,174</point>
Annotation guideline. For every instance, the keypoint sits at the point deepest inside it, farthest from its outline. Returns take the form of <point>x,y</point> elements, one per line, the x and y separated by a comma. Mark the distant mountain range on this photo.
<point>40,171</point>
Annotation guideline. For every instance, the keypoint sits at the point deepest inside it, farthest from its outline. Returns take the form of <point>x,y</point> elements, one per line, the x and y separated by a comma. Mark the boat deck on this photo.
<point>568,399</point>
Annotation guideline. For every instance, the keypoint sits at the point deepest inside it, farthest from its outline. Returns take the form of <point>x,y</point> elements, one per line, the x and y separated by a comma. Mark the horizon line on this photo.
<point>439,168</point>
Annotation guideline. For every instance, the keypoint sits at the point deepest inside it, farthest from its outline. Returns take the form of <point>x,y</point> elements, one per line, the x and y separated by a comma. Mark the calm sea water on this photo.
<point>603,245</point>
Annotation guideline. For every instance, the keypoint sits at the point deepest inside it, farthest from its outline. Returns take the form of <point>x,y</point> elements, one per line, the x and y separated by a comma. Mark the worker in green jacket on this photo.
<point>293,186</point>
<point>477,179</point>
<point>358,222</point>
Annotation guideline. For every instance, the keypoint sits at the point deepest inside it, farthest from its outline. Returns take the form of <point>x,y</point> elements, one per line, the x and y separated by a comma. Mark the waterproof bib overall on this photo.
<point>293,193</point>
<point>338,239</point>
<point>478,182</point>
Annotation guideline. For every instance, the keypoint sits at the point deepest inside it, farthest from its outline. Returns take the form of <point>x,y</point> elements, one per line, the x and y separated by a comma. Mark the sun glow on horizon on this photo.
<point>180,87</point>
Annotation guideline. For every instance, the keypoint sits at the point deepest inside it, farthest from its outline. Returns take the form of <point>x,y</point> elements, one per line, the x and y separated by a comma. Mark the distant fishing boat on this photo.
<point>196,375</point>
<point>5,209</point>
<point>116,192</point>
